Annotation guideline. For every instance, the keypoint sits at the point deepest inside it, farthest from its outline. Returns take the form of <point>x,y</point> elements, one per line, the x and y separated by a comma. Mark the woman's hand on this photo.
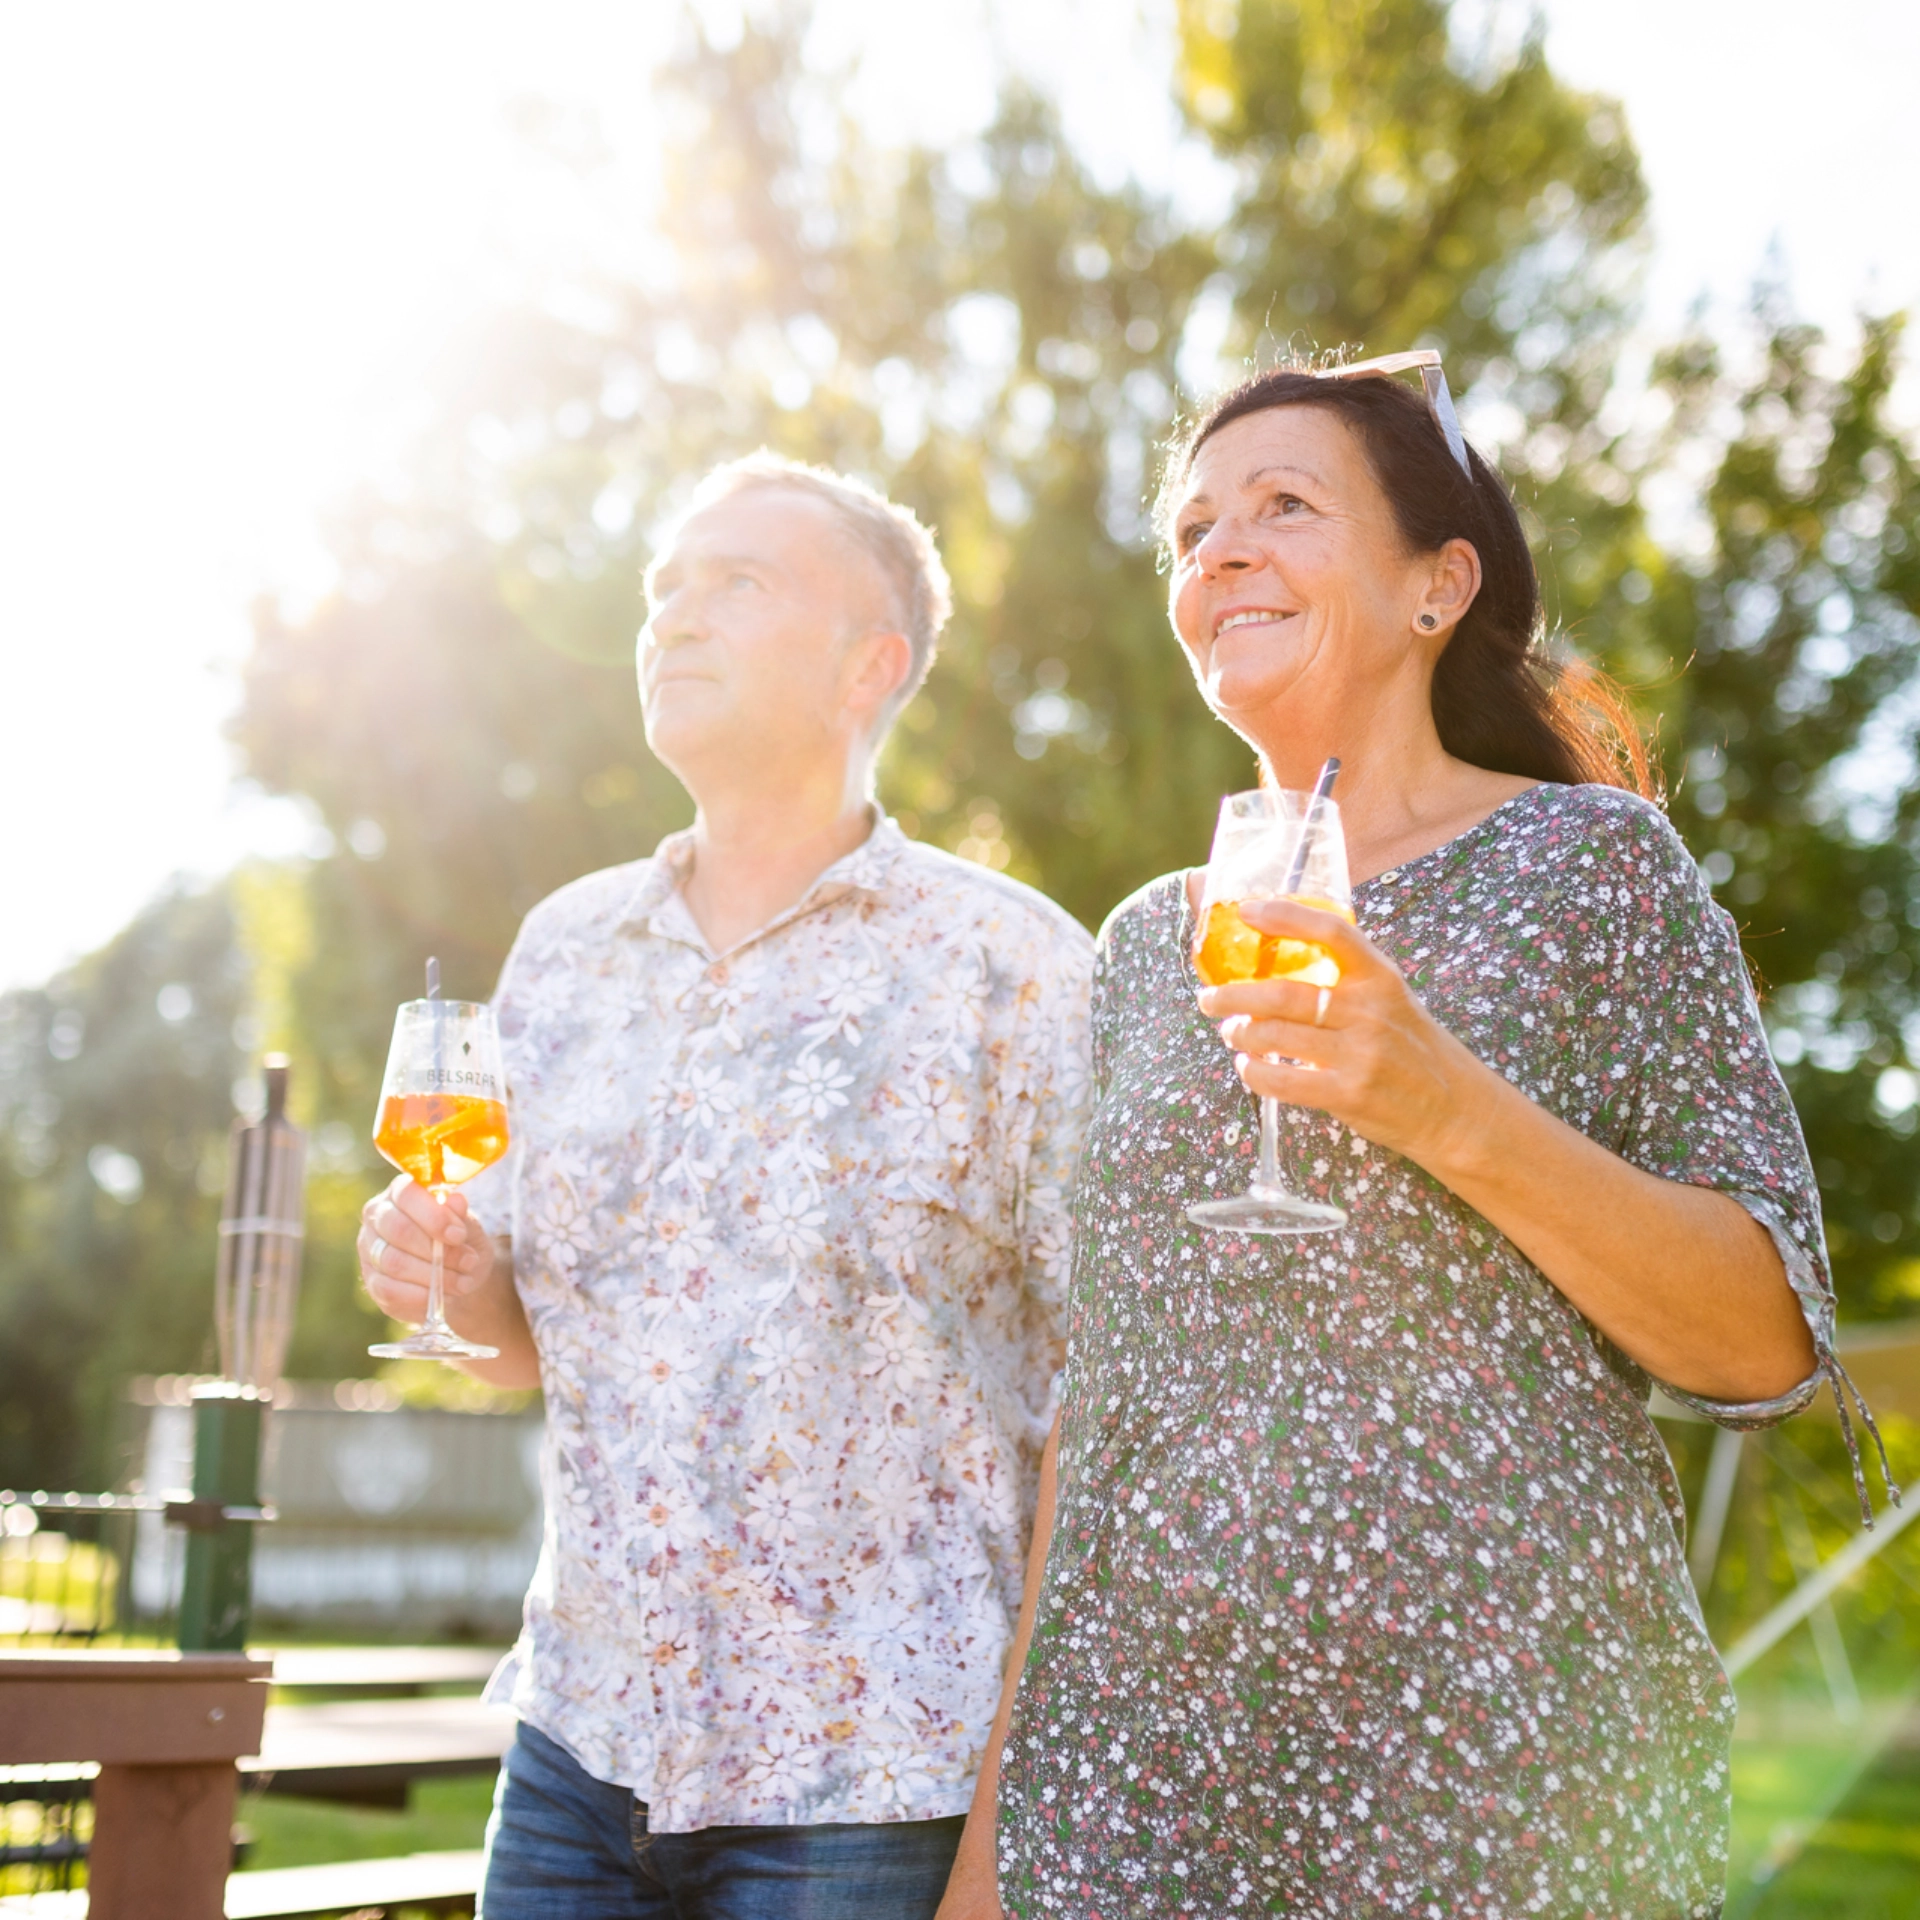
<point>1369,1054</point>
<point>1680,1277</point>
<point>398,1227</point>
<point>973,1890</point>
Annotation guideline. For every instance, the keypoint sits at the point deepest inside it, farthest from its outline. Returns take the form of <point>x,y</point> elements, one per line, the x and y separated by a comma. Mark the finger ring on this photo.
<point>1321,1005</point>
<point>380,1246</point>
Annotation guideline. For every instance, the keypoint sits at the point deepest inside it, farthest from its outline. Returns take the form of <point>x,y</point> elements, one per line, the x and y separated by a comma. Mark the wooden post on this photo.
<point>166,1729</point>
<point>162,1842</point>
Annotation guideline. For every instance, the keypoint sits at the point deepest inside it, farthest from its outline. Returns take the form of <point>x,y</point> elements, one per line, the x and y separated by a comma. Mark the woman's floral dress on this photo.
<point>1366,1592</point>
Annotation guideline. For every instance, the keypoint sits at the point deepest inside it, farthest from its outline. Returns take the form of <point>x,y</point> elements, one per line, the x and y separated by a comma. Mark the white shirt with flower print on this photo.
<point>790,1227</point>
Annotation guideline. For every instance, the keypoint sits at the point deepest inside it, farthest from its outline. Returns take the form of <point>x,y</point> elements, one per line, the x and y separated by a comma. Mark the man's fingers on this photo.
<point>392,1221</point>
<point>409,1199</point>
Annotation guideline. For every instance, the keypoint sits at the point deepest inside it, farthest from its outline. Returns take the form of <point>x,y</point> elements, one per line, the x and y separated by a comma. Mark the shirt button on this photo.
<point>717,973</point>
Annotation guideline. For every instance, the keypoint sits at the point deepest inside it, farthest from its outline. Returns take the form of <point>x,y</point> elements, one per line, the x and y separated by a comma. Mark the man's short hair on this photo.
<point>890,535</point>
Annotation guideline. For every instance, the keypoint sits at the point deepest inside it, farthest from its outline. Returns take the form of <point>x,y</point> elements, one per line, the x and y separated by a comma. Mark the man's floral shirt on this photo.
<point>790,1225</point>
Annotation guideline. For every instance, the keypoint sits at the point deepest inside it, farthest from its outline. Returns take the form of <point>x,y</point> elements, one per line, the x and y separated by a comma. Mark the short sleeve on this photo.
<point>1055,1105</point>
<point>1704,1102</point>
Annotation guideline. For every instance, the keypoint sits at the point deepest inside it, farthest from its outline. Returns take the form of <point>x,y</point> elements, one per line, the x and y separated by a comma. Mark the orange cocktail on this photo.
<point>1227,949</point>
<point>441,1138</point>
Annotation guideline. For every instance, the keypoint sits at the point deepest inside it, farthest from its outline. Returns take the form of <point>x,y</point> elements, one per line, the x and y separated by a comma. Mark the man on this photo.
<point>796,1102</point>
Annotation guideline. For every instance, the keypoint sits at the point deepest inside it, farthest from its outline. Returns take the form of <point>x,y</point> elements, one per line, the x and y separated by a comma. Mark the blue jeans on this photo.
<point>564,1846</point>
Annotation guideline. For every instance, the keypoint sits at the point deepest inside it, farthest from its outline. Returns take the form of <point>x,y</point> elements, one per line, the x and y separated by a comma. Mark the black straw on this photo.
<point>433,965</point>
<point>1316,806</point>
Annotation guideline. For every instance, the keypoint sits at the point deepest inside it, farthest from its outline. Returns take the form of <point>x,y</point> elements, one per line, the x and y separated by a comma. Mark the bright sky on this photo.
<point>234,235</point>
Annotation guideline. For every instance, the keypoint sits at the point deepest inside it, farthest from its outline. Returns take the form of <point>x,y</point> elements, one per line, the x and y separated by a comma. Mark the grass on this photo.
<point>50,1584</point>
<point>445,1816</point>
<point>1861,1863</point>
<point>1824,1814</point>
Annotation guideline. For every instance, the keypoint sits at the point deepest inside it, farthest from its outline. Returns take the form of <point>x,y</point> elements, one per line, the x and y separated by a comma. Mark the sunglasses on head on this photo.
<point>1433,380</point>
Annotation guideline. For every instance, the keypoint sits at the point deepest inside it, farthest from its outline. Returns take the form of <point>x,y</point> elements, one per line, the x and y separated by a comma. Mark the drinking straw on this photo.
<point>433,965</point>
<point>1316,807</point>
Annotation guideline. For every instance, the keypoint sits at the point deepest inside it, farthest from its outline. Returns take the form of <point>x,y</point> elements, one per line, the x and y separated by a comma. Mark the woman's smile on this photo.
<point>1250,617</point>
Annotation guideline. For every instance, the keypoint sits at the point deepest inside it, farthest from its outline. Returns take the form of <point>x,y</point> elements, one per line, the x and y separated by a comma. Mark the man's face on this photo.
<point>748,646</point>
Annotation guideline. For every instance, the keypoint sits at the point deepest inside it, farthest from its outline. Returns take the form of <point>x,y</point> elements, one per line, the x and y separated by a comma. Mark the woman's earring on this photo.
<point>1429,621</point>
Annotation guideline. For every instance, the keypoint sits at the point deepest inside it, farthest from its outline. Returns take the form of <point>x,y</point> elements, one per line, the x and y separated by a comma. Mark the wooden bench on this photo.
<point>369,1752</point>
<point>165,1730</point>
<point>437,1882</point>
<point>384,1670</point>
<point>167,1740</point>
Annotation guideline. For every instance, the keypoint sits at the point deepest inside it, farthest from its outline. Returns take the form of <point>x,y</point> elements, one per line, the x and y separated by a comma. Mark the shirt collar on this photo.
<point>657,906</point>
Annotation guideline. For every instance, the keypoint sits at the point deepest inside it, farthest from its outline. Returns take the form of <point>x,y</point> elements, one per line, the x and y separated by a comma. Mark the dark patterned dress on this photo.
<point>1366,1592</point>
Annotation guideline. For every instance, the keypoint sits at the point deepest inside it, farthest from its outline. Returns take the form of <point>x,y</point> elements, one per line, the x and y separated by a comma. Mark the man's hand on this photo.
<point>397,1230</point>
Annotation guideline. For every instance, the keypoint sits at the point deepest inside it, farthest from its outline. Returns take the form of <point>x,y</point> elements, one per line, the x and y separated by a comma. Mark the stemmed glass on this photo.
<point>443,1118</point>
<point>1270,845</point>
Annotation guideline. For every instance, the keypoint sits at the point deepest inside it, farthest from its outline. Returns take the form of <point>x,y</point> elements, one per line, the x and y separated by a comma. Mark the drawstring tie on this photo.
<point>1842,1384</point>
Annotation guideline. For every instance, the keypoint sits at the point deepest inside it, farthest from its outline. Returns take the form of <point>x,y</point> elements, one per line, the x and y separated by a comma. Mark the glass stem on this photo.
<point>1269,1174</point>
<point>436,1320</point>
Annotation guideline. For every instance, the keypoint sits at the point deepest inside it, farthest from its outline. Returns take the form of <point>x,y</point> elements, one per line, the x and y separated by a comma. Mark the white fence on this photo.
<point>409,1521</point>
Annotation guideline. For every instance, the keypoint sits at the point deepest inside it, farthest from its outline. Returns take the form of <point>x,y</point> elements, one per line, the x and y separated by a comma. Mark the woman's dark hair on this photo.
<point>1500,699</point>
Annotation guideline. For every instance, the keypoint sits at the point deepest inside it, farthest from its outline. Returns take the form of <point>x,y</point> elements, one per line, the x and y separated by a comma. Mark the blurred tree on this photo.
<point>1792,735</point>
<point>1002,340</point>
<point>115,1097</point>
<point>998,339</point>
<point>118,1084</point>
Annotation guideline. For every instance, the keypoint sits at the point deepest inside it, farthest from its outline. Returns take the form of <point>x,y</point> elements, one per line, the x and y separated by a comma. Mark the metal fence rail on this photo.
<point>67,1563</point>
<point>67,1569</point>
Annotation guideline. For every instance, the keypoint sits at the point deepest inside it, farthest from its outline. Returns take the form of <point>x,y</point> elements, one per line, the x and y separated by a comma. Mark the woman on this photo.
<point>1364,1590</point>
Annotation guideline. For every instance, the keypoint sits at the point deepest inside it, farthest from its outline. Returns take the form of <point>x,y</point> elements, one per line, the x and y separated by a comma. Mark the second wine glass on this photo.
<point>1270,845</point>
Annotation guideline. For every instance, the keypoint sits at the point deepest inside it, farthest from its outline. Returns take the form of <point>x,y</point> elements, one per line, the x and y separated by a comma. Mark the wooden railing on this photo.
<point>166,1730</point>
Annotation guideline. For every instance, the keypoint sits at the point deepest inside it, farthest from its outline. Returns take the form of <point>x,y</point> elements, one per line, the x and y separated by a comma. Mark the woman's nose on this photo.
<point>1225,548</point>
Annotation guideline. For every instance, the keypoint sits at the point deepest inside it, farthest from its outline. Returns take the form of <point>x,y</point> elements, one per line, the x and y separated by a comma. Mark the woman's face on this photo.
<point>1290,580</point>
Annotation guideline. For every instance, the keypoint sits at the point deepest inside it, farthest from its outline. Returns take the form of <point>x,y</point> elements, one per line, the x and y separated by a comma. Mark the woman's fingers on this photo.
<point>1291,1085</point>
<point>1313,1046</point>
<point>1356,954</point>
<point>1290,1000</point>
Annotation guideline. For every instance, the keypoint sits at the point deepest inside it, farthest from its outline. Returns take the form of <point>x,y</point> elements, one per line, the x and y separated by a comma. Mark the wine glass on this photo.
<point>1270,845</point>
<point>443,1117</point>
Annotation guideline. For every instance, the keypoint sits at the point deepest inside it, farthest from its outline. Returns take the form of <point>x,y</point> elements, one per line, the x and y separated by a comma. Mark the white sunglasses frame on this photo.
<point>1433,381</point>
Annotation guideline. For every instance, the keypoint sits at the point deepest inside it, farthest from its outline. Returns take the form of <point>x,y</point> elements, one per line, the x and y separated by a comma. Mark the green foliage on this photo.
<point>999,339</point>
<point>1790,738</point>
<point>115,1115</point>
<point>994,336</point>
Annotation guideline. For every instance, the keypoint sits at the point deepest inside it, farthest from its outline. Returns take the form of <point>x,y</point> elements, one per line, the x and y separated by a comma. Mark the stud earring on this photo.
<point>1428,621</point>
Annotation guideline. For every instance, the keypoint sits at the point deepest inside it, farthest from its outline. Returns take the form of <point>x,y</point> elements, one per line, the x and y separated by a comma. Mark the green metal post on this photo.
<point>217,1599</point>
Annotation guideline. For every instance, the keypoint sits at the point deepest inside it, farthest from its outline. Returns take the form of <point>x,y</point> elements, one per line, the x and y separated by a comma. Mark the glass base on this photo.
<point>433,1344</point>
<point>1266,1210</point>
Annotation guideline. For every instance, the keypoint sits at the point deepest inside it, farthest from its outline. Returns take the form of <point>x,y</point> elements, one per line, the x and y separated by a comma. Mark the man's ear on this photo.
<point>877,667</point>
